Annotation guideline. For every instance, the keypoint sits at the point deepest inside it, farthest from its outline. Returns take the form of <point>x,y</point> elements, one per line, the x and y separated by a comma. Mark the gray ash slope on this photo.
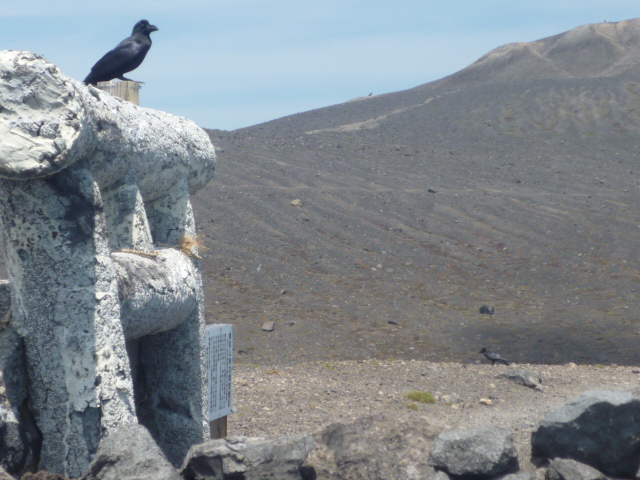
<point>532,154</point>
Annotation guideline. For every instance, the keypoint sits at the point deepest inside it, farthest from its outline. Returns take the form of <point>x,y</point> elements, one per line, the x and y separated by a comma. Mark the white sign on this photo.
<point>218,351</point>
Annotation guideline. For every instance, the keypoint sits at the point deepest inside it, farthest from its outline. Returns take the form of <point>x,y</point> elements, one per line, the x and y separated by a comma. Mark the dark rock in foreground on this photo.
<point>599,428</point>
<point>567,469</point>
<point>375,447</point>
<point>479,452</point>
<point>248,458</point>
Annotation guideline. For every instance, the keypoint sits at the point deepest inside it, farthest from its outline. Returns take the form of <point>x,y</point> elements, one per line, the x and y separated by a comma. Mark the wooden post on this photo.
<point>125,90</point>
<point>218,428</point>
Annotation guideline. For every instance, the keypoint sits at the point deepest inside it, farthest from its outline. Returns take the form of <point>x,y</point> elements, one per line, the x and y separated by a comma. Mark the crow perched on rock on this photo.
<point>127,56</point>
<point>494,357</point>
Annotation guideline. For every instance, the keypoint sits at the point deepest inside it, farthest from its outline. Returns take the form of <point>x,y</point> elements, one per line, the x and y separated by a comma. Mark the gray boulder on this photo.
<point>479,452</point>
<point>248,458</point>
<point>599,428</point>
<point>567,469</point>
<point>523,377</point>
<point>130,454</point>
<point>375,447</point>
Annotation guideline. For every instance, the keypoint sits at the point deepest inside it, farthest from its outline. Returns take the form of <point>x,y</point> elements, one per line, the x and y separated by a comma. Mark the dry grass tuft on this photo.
<point>191,246</point>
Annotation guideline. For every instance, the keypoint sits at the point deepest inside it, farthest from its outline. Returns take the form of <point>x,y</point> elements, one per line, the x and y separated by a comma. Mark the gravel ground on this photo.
<point>283,400</point>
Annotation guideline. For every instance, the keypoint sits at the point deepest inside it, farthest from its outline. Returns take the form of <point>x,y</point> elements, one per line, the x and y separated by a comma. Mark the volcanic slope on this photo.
<point>512,183</point>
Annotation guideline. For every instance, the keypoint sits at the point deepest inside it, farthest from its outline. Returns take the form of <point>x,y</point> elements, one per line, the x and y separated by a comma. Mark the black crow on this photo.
<point>494,357</point>
<point>485,310</point>
<point>127,56</point>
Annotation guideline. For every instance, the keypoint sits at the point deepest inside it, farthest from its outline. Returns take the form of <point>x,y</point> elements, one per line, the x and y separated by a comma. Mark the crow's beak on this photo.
<point>152,28</point>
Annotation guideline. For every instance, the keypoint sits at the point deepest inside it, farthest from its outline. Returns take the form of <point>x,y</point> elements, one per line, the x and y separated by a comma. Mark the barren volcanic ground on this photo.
<point>513,183</point>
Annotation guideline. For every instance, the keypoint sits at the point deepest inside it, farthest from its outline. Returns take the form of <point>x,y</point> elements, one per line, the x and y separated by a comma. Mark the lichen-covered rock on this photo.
<point>599,428</point>
<point>50,121</point>
<point>479,452</point>
<point>71,156</point>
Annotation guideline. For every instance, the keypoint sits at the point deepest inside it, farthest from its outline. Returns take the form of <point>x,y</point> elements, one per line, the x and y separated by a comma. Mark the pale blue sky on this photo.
<point>234,63</point>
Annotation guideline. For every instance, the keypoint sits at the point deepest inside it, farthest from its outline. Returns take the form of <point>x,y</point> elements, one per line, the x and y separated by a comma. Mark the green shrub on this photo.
<point>421,397</point>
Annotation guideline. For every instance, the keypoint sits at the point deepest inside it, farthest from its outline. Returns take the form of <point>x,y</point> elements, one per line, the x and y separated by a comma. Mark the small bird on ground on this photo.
<point>485,310</point>
<point>127,56</point>
<point>494,357</point>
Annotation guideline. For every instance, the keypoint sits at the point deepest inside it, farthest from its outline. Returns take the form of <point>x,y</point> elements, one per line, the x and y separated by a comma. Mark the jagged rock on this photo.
<point>523,377</point>
<point>567,469</point>
<point>130,453</point>
<point>599,428</point>
<point>19,437</point>
<point>481,452</point>
<point>248,458</point>
<point>375,447</point>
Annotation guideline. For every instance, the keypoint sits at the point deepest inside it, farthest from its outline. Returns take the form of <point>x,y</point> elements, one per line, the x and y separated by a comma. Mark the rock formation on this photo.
<point>94,192</point>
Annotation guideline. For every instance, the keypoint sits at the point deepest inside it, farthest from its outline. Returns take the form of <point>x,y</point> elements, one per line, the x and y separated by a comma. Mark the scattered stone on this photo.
<point>486,452</point>
<point>434,474</point>
<point>567,469</point>
<point>523,377</point>
<point>130,453</point>
<point>375,447</point>
<point>248,458</point>
<point>4,475</point>
<point>453,400</point>
<point>268,326</point>
<point>296,203</point>
<point>599,428</point>
<point>486,401</point>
